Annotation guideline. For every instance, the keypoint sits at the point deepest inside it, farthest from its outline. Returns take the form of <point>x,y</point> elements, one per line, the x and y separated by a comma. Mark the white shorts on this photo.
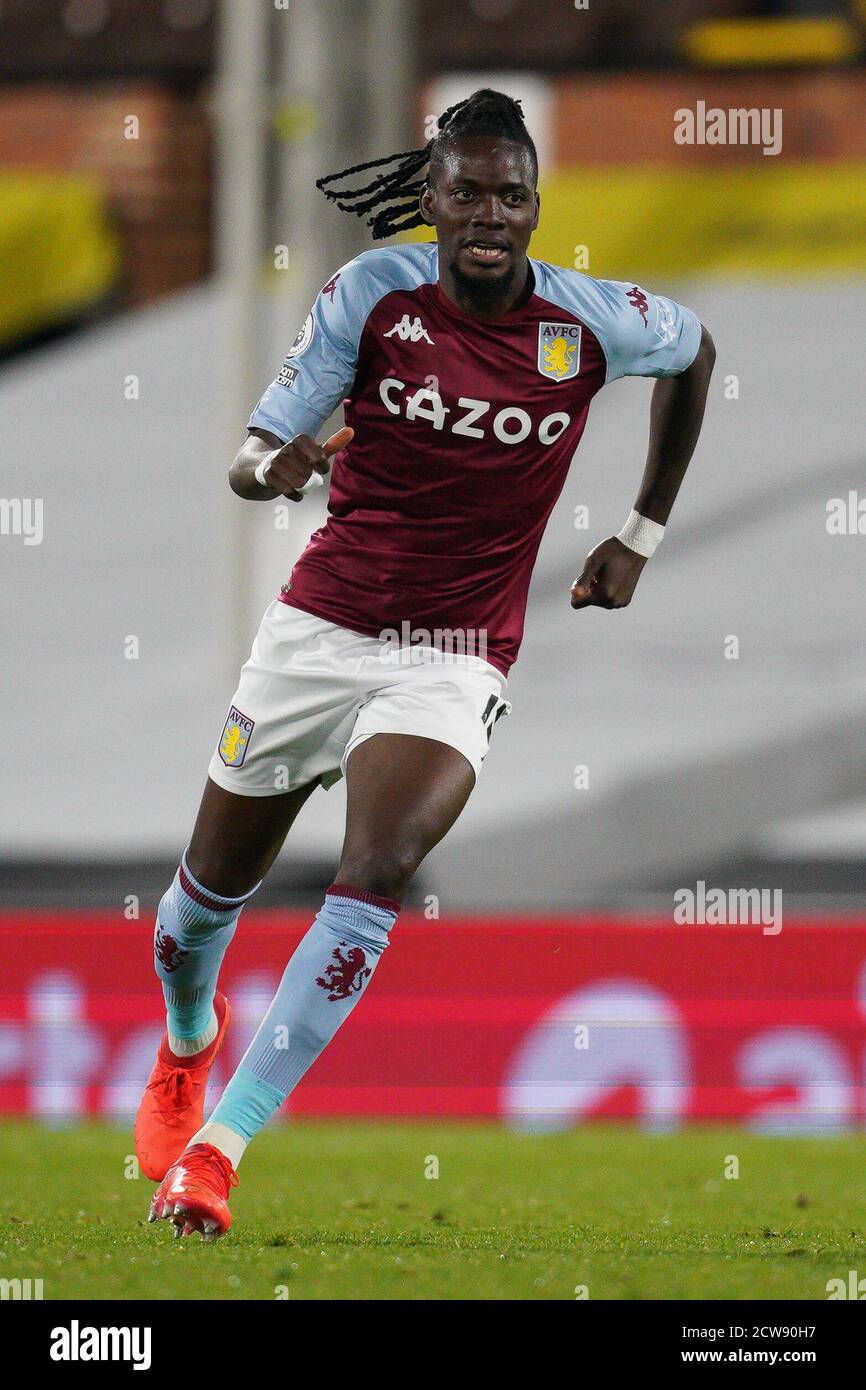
<point>312,691</point>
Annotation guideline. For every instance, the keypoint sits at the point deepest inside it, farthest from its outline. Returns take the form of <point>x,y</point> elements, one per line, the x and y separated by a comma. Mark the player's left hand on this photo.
<point>609,576</point>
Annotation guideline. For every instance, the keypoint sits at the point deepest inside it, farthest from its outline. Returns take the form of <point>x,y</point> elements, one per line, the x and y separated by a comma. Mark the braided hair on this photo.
<point>392,194</point>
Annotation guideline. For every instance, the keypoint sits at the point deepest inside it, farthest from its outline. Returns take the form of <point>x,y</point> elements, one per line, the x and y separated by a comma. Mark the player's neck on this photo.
<point>481,301</point>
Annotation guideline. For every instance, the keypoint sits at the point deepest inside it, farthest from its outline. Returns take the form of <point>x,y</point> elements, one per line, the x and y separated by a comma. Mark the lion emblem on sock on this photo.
<point>167,951</point>
<point>346,974</point>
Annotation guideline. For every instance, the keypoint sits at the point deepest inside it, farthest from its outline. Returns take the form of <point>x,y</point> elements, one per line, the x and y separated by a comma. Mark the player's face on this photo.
<point>484,207</point>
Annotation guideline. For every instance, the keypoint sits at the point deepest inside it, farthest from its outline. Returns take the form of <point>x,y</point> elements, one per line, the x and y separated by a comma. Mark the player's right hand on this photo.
<point>291,467</point>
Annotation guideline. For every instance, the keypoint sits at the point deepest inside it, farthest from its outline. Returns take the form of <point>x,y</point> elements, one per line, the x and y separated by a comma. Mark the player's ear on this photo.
<point>537,210</point>
<point>425,202</point>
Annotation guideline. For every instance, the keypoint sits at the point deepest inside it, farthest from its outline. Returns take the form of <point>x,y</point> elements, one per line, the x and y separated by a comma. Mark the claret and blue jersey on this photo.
<point>464,432</point>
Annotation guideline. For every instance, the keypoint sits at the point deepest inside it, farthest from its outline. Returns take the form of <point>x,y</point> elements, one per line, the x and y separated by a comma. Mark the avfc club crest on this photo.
<point>235,738</point>
<point>559,350</point>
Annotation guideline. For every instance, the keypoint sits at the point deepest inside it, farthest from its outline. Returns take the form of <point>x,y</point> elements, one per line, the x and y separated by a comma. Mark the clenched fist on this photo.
<point>609,576</point>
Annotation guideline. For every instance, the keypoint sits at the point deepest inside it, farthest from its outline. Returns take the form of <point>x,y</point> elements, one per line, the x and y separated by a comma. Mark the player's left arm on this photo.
<point>613,568</point>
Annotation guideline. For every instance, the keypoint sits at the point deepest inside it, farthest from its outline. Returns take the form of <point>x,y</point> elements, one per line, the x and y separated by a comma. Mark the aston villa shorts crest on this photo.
<point>235,738</point>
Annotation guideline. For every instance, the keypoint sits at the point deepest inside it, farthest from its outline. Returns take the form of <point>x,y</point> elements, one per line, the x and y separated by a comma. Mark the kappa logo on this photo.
<point>346,975</point>
<point>638,300</point>
<point>559,350</point>
<point>407,332</point>
<point>235,738</point>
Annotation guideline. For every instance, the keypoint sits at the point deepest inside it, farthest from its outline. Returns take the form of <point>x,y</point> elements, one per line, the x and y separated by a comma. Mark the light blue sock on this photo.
<point>321,985</point>
<point>193,930</point>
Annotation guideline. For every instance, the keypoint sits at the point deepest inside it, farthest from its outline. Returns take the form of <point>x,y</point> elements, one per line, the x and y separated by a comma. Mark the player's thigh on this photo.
<point>403,793</point>
<point>237,838</point>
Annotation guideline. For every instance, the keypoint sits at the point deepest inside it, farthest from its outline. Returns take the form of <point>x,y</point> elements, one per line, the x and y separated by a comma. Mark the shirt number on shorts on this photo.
<point>491,714</point>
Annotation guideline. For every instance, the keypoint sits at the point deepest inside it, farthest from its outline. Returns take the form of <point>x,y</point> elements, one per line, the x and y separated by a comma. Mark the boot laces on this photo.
<point>178,1087</point>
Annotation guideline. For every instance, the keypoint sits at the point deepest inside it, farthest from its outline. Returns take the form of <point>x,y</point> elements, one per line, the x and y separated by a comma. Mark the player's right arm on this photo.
<point>280,454</point>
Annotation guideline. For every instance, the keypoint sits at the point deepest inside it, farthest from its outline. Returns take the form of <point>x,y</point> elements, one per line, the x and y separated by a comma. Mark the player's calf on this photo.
<point>324,980</point>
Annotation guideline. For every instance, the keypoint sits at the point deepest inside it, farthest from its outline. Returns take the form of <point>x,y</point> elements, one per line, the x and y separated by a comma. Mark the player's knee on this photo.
<point>220,874</point>
<point>376,869</point>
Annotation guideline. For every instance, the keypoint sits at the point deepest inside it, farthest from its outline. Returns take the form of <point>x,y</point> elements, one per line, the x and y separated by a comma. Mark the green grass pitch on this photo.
<point>343,1210</point>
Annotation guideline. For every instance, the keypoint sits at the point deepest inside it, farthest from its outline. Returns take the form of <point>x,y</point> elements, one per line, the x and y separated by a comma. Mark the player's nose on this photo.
<point>489,213</point>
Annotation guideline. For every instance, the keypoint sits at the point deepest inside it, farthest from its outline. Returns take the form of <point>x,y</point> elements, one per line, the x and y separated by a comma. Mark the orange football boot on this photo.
<point>171,1110</point>
<point>194,1194</point>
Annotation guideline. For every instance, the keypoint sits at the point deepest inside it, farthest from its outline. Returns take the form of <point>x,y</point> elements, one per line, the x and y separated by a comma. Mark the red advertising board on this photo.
<point>540,1021</point>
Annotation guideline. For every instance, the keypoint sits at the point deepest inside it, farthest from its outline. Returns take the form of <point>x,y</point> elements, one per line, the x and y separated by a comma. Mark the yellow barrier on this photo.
<point>782,41</point>
<point>58,252</point>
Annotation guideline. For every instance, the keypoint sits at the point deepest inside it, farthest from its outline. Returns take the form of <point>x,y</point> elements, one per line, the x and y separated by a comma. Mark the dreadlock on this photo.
<point>395,191</point>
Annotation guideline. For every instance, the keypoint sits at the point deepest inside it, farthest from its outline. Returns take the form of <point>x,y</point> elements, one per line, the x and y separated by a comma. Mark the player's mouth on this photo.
<point>482,252</point>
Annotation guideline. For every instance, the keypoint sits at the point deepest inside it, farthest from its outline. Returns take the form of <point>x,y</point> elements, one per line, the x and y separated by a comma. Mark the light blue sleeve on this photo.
<point>641,334</point>
<point>645,334</point>
<point>320,365</point>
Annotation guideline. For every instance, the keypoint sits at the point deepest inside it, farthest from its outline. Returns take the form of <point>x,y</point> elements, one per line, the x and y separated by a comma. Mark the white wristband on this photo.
<point>640,534</point>
<point>261,470</point>
<point>315,480</point>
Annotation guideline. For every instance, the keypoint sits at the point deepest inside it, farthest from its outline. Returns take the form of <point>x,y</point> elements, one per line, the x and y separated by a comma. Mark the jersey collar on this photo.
<point>512,316</point>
